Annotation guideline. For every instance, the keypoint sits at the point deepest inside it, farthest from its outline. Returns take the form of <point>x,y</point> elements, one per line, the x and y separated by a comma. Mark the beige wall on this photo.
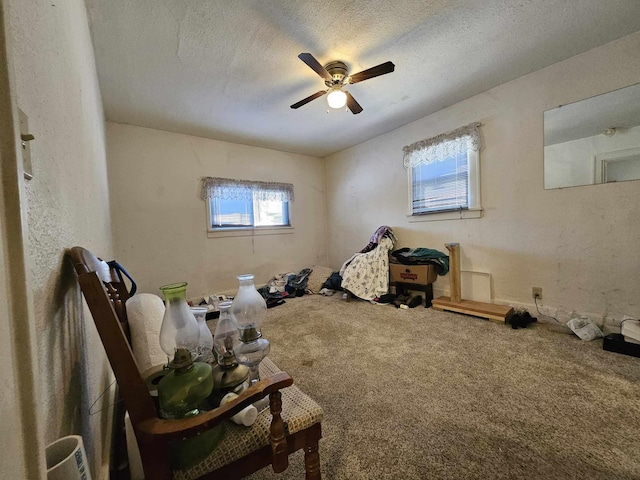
<point>579,244</point>
<point>159,219</point>
<point>21,446</point>
<point>66,204</point>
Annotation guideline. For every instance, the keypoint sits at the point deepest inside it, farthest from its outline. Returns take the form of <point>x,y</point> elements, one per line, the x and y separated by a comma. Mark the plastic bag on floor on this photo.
<point>584,328</point>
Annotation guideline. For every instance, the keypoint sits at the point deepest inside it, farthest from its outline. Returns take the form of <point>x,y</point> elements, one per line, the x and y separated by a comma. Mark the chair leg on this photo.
<point>312,461</point>
<point>155,460</point>
<point>119,465</point>
<point>278,441</point>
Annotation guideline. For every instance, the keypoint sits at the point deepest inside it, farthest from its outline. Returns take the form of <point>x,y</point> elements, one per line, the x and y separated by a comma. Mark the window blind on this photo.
<point>441,186</point>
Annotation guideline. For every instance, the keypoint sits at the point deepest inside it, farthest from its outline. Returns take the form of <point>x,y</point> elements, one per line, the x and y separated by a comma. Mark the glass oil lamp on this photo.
<point>183,391</point>
<point>249,310</point>
<point>179,327</point>
<point>229,375</point>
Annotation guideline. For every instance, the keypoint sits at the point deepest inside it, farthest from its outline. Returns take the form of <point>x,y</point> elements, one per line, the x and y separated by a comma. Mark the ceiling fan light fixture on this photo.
<point>336,98</point>
<point>336,75</point>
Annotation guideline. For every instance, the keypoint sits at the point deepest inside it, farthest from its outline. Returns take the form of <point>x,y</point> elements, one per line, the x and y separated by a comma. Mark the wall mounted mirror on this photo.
<point>592,141</point>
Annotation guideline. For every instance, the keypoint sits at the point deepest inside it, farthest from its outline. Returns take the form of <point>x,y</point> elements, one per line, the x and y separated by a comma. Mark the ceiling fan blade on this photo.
<point>376,71</point>
<point>352,104</point>
<point>311,61</point>
<point>308,99</point>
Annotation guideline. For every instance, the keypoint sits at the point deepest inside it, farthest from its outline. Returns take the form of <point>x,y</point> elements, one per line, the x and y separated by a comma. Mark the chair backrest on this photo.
<point>106,294</point>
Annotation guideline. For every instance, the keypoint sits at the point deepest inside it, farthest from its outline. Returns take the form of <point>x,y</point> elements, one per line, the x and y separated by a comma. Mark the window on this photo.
<point>246,205</point>
<point>444,176</point>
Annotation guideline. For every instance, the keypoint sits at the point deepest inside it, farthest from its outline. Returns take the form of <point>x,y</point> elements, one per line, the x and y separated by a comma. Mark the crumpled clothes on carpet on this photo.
<point>279,282</point>
<point>274,302</point>
<point>334,282</point>
<point>286,285</point>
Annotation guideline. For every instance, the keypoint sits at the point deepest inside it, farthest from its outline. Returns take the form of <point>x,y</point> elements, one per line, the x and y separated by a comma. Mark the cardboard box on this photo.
<point>416,274</point>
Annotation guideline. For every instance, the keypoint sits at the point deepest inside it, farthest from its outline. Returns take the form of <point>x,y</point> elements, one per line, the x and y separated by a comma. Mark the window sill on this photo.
<point>457,215</point>
<point>249,232</point>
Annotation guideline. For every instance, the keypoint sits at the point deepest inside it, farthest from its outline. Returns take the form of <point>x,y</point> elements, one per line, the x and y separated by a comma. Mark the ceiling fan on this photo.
<point>336,76</point>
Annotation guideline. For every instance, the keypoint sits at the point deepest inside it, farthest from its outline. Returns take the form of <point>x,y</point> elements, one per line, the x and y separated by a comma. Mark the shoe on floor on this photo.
<point>414,301</point>
<point>520,319</point>
<point>385,299</point>
<point>400,299</point>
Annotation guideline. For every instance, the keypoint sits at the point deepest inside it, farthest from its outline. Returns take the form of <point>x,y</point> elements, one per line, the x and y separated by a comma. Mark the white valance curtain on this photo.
<point>231,189</point>
<point>442,146</point>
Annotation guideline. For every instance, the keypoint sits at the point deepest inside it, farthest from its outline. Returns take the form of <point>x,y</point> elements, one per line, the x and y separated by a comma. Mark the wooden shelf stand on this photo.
<point>455,303</point>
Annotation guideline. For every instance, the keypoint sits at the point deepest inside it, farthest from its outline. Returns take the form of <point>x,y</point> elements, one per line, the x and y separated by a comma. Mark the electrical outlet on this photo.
<point>536,292</point>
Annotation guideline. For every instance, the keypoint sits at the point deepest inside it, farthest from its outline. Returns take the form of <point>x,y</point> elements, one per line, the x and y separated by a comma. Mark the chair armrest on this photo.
<point>167,429</point>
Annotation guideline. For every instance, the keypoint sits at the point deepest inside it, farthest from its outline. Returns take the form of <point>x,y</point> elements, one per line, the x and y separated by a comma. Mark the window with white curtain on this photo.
<point>444,175</point>
<point>246,205</point>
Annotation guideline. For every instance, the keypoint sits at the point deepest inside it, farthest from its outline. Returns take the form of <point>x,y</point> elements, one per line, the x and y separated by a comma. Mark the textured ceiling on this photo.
<point>229,70</point>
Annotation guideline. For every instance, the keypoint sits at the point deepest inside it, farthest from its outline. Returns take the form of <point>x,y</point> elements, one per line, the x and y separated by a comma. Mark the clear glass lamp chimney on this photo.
<point>249,311</point>
<point>179,327</point>
<point>226,337</point>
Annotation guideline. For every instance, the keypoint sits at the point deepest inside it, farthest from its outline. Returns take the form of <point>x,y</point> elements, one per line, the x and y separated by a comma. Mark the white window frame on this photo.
<point>252,230</point>
<point>474,209</point>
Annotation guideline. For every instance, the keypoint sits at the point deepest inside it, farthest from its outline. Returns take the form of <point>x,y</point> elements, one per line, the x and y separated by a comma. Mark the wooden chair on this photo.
<point>295,418</point>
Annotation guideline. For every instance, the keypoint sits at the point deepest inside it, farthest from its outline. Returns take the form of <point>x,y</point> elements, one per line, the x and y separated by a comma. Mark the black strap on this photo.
<point>120,270</point>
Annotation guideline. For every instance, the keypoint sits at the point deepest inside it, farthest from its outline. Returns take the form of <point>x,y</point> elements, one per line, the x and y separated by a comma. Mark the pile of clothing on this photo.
<point>285,285</point>
<point>331,285</point>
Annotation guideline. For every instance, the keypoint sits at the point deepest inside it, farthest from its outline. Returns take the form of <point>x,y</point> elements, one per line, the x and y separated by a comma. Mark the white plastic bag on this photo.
<point>584,328</point>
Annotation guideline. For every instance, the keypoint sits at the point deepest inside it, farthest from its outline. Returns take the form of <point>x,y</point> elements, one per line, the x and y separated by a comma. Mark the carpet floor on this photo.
<point>417,394</point>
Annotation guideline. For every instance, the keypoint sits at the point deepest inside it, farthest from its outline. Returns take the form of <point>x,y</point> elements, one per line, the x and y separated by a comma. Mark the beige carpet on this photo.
<point>421,394</point>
